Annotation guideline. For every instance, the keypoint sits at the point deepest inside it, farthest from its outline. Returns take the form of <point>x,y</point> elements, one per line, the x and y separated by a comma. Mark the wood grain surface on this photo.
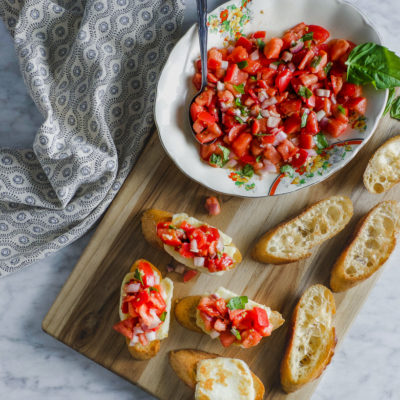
<point>87,307</point>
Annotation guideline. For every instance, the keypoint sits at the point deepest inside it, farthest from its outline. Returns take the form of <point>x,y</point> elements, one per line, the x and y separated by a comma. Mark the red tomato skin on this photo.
<point>273,48</point>
<point>235,76</point>
<point>188,275</point>
<point>239,53</point>
<point>195,109</point>
<point>320,33</point>
<point>306,141</point>
<point>259,34</point>
<point>299,158</point>
<point>311,127</point>
<point>283,79</point>
<point>244,42</point>
<point>125,327</point>
<point>212,205</point>
<point>272,155</point>
<point>335,127</point>
<point>241,145</point>
<point>290,107</point>
<point>358,104</point>
<point>286,149</point>
<point>226,339</point>
<point>292,124</point>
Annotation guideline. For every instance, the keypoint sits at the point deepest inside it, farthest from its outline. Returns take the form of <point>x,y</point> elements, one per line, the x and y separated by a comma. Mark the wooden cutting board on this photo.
<point>87,307</point>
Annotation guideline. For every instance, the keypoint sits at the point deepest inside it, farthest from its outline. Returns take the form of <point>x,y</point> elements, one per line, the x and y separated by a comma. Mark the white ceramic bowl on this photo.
<point>175,91</point>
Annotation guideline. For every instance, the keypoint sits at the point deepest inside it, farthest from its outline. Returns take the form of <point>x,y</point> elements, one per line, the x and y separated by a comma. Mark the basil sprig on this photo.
<point>237,303</point>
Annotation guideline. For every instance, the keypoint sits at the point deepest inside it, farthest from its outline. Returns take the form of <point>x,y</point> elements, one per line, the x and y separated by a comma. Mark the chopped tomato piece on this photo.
<point>311,127</point>
<point>337,83</point>
<point>271,154</point>
<point>306,59</point>
<point>320,34</point>
<point>260,318</point>
<point>259,34</point>
<point>212,206</point>
<point>335,127</point>
<point>283,79</point>
<point>323,103</point>
<point>250,338</point>
<point>204,98</point>
<point>214,59</point>
<point>195,109</point>
<point>244,42</point>
<point>290,107</point>
<point>306,141</point>
<point>299,158</point>
<point>350,90</point>
<point>235,76</point>
<point>273,48</point>
<point>292,124</point>
<point>358,104</point>
<point>189,275</point>
<point>252,66</point>
<point>227,339</point>
<point>338,47</point>
<point>125,327</point>
<point>287,149</point>
<point>241,145</point>
<point>169,236</point>
<point>206,117</point>
<point>238,54</point>
<point>308,79</point>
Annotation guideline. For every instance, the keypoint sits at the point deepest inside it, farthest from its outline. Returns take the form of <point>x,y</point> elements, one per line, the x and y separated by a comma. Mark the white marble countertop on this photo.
<point>35,366</point>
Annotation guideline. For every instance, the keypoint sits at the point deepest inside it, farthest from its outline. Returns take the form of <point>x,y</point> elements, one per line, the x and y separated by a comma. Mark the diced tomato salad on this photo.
<point>203,244</point>
<point>144,303</point>
<point>267,98</point>
<point>241,326</point>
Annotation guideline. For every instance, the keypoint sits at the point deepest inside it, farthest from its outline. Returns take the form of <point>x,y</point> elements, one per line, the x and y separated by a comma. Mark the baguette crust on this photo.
<point>312,339</point>
<point>185,314</point>
<point>292,240</point>
<point>184,363</point>
<point>138,351</point>
<point>152,217</point>
<point>373,241</point>
<point>383,169</point>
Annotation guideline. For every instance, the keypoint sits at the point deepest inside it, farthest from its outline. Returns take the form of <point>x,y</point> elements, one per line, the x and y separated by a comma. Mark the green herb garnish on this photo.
<point>288,170</point>
<point>395,110</point>
<point>392,95</point>
<point>236,333</point>
<point>238,119</point>
<point>260,44</point>
<point>304,92</point>
<point>253,78</point>
<point>320,141</point>
<point>163,316</point>
<point>239,88</point>
<point>328,67</point>
<point>341,109</point>
<point>308,36</point>
<point>216,159</point>
<point>237,303</point>
<point>258,158</point>
<point>248,171</point>
<point>225,154</point>
<point>315,61</point>
<point>304,118</point>
<point>242,64</point>
<point>138,276</point>
<point>153,289</point>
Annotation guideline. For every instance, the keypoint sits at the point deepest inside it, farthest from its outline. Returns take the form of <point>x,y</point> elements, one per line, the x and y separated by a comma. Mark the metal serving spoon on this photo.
<point>202,30</point>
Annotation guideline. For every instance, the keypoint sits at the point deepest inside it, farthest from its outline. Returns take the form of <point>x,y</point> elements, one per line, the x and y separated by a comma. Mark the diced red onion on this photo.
<point>170,268</point>
<point>297,47</point>
<point>273,122</point>
<point>320,114</point>
<point>150,336</point>
<point>333,99</point>
<point>280,137</point>
<point>237,112</point>
<point>231,163</point>
<point>274,114</point>
<point>264,113</point>
<point>230,49</point>
<point>199,261</point>
<point>193,246</point>
<point>155,320</point>
<point>269,102</point>
<point>220,245</point>
<point>137,330</point>
<point>254,55</point>
<point>132,288</point>
<point>291,67</point>
<point>220,86</point>
<point>180,269</point>
<point>262,95</point>
<point>151,281</point>
<point>295,141</point>
<point>135,339</point>
<point>213,334</point>
<point>311,152</point>
<point>286,56</point>
<point>223,106</point>
<point>273,66</point>
<point>268,167</point>
<point>224,64</point>
<point>323,92</point>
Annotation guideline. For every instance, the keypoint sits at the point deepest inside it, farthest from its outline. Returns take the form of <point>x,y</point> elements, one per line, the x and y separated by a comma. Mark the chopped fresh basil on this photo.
<point>260,44</point>
<point>238,119</point>
<point>242,64</point>
<point>236,333</point>
<point>216,159</point>
<point>341,109</point>
<point>395,110</point>
<point>237,303</point>
<point>315,61</point>
<point>304,92</point>
<point>259,116</point>
<point>304,118</point>
<point>248,171</point>
<point>163,316</point>
<point>392,95</point>
<point>287,169</point>
<point>308,36</point>
<point>320,141</point>
<point>278,63</point>
<point>225,154</point>
<point>328,67</point>
<point>262,134</point>
<point>239,88</point>
<point>138,276</point>
<point>258,158</point>
<point>373,63</point>
<point>171,227</point>
<point>253,78</point>
<point>153,289</point>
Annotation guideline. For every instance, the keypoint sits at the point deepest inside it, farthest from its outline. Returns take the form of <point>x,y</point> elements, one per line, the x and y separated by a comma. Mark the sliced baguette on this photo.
<point>372,244</point>
<point>292,240</point>
<point>312,338</point>
<point>152,217</point>
<point>186,314</point>
<point>138,351</point>
<point>383,169</point>
<point>184,363</point>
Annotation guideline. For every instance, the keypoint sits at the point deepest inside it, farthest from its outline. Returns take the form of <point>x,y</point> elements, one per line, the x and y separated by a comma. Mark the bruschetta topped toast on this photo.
<point>231,318</point>
<point>216,378</point>
<point>191,242</point>
<point>144,309</point>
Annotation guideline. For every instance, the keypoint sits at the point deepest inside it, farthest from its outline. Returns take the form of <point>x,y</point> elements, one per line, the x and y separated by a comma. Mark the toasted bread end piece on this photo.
<point>312,339</point>
<point>185,312</point>
<point>184,363</point>
<point>150,219</point>
<point>141,353</point>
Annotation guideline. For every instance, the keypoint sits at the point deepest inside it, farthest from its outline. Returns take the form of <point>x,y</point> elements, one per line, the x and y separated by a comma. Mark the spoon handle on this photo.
<point>202,22</point>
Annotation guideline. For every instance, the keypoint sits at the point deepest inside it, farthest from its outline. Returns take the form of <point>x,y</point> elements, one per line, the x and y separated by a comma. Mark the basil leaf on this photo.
<point>238,119</point>
<point>390,100</point>
<point>315,61</point>
<point>253,78</point>
<point>248,171</point>
<point>238,102</point>
<point>328,67</point>
<point>236,333</point>
<point>304,92</point>
<point>287,169</point>
<point>260,44</point>
<point>237,303</point>
<point>239,88</point>
<point>138,276</point>
<point>258,159</point>
<point>163,316</point>
<point>341,109</point>
<point>320,141</point>
<point>308,36</point>
<point>242,64</point>
<point>153,289</point>
<point>304,118</point>
<point>225,154</point>
<point>395,110</point>
<point>216,159</point>
<point>372,63</point>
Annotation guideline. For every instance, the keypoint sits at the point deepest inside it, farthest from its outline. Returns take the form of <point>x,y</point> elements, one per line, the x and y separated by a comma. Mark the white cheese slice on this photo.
<point>168,287</point>
<point>227,295</point>
<point>224,379</point>
<point>229,249</point>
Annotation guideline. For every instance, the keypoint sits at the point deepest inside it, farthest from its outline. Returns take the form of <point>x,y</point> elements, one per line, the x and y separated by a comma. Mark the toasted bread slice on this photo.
<point>312,338</point>
<point>186,314</point>
<point>383,169</point>
<point>372,244</point>
<point>184,363</point>
<point>152,217</point>
<point>138,351</point>
<point>293,240</point>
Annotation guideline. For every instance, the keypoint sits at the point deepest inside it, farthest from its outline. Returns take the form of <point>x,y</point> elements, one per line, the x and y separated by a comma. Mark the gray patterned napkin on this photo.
<point>91,68</point>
